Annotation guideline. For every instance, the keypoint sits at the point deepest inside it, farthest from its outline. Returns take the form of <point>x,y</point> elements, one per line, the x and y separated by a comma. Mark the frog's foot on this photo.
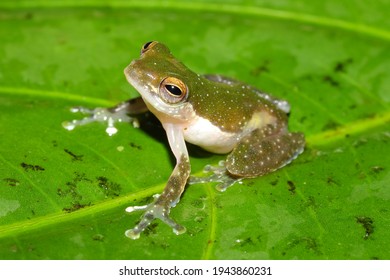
<point>220,175</point>
<point>108,115</point>
<point>152,211</point>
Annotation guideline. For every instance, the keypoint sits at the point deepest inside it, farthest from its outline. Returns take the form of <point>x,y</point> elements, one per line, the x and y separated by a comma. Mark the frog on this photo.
<point>219,114</point>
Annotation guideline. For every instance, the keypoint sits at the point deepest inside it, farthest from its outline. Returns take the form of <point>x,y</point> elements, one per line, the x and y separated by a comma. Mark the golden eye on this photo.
<point>148,46</point>
<point>173,90</point>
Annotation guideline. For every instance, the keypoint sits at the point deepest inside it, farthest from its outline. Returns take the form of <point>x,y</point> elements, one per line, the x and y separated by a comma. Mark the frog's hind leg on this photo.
<point>259,153</point>
<point>219,174</point>
<point>263,151</point>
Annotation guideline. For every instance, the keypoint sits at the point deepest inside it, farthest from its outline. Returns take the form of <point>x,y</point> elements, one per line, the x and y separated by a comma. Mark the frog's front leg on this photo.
<point>160,208</point>
<point>123,112</point>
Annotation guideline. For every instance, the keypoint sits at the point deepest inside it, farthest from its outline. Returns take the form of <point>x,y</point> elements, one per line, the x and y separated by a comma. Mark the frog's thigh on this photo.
<point>258,154</point>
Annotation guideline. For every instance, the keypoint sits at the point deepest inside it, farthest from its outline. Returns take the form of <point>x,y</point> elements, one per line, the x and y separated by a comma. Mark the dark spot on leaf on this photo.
<point>74,156</point>
<point>307,77</point>
<point>110,189</point>
<point>311,202</point>
<point>75,206</point>
<point>29,16</point>
<point>367,224</point>
<point>291,187</point>
<point>11,182</point>
<point>341,66</point>
<point>72,186</point>
<point>199,219</point>
<point>377,169</point>
<point>28,167</point>
<point>161,244</point>
<point>331,181</point>
<point>309,243</point>
<point>98,237</point>
<point>362,175</point>
<point>263,68</point>
<point>249,183</point>
<point>245,242</point>
<point>135,146</point>
<point>199,203</point>
<point>274,182</point>
<point>331,81</point>
<point>357,166</point>
<point>331,125</point>
<point>54,143</point>
<point>61,192</point>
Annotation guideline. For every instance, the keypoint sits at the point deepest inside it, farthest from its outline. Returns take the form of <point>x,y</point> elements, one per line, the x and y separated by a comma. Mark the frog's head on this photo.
<point>163,82</point>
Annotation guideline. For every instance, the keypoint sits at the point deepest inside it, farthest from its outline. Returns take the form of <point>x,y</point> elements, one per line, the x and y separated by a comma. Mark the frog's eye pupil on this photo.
<point>147,45</point>
<point>174,90</point>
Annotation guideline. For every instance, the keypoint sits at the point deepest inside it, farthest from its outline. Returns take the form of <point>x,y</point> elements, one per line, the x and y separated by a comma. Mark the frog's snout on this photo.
<point>129,69</point>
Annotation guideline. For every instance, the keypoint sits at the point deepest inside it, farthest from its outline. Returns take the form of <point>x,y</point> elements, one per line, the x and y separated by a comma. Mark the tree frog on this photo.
<point>219,114</point>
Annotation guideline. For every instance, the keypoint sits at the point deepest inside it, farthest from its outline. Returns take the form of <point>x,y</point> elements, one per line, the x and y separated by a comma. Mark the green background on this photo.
<point>63,194</point>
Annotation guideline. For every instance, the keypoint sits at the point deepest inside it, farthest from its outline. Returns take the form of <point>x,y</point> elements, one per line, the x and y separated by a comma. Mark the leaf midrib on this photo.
<point>61,217</point>
<point>243,10</point>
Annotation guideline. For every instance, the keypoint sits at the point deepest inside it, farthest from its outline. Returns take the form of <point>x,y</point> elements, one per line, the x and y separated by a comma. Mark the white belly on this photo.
<point>203,133</point>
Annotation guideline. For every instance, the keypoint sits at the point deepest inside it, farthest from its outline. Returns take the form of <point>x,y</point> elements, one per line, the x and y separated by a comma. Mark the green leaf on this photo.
<point>63,194</point>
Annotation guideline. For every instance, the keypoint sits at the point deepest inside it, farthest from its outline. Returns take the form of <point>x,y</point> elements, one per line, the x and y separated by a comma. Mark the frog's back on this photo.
<point>281,104</point>
<point>232,105</point>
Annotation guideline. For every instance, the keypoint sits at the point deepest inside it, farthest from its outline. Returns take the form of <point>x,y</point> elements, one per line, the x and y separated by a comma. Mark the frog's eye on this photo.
<point>148,46</point>
<point>173,90</point>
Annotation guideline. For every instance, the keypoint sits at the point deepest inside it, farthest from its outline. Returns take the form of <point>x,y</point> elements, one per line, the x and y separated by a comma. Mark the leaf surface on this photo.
<point>63,194</point>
